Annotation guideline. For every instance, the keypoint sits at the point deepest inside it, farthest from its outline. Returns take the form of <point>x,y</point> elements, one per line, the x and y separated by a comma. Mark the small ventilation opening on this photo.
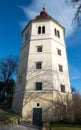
<point>38,104</point>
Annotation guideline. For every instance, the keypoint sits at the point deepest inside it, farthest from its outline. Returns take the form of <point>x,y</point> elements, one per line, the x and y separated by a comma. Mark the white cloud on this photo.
<point>62,12</point>
<point>75,77</point>
<point>28,11</point>
<point>74,73</point>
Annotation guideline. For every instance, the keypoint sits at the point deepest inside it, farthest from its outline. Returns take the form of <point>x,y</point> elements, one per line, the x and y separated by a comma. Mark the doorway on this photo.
<point>37,116</point>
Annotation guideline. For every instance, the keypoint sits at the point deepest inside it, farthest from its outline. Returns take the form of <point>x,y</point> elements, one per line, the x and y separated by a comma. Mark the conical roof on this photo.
<point>43,15</point>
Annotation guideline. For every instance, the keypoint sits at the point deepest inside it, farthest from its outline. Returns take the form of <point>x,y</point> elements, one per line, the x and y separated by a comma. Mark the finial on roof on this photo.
<point>43,12</point>
<point>43,5</point>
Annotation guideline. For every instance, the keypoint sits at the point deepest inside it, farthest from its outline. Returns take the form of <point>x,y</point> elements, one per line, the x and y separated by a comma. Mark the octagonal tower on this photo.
<point>43,76</point>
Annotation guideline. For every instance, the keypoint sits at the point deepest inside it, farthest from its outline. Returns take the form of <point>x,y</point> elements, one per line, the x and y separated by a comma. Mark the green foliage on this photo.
<point>65,127</point>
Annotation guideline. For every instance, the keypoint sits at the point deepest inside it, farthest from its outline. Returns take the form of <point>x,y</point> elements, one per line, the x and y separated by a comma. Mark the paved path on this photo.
<point>19,127</point>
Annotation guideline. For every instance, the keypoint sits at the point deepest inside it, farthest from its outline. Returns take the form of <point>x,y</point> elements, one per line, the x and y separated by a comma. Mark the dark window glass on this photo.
<point>38,85</point>
<point>59,52</point>
<point>62,88</point>
<point>39,30</point>
<point>55,31</point>
<point>58,34</point>
<point>39,49</point>
<point>43,29</point>
<point>61,68</point>
<point>38,65</point>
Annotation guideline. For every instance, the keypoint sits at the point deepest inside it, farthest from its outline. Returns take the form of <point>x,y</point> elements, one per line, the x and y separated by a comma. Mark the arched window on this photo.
<point>55,31</point>
<point>43,29</point>
<point>58,34</point>
<point>39,30</point>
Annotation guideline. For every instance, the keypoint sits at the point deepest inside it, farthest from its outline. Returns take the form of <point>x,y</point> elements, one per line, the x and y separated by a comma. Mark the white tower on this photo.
<point>43,77</point>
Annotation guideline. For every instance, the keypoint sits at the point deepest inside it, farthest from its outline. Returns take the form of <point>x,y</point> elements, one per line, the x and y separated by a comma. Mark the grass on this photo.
<point>65,127</point>
<point>7,117</point>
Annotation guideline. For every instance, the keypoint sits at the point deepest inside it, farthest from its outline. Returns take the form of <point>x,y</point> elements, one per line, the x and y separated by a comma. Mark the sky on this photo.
<point>14,16</point>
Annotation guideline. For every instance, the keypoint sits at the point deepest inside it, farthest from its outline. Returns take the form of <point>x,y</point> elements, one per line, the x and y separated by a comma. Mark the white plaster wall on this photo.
<point>45,102</point>
<point>34,31</point>
<point>60,29</point>
<point>43,75</point>
<point>60,77</point>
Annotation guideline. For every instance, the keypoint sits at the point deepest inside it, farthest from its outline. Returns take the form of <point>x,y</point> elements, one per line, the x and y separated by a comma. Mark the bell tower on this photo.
<point>43,76</point>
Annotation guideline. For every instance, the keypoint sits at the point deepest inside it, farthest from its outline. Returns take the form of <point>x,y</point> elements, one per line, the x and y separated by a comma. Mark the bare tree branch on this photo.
<point>8,69</point>
<point>77,5</point>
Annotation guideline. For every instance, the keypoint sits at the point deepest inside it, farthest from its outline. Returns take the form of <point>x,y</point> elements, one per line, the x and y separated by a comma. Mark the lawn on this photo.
<point>65,127</point>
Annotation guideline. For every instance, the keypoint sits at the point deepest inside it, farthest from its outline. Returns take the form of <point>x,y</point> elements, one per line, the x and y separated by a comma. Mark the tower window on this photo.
<point>57,33</point>
<point>39,30</point>
<point>39,65</point>
<point>43,29</point>
<point>59,52</point>
<point>38,85</point>
<point>61,68</point>
<point>62,88</point>
<point>39,49</point>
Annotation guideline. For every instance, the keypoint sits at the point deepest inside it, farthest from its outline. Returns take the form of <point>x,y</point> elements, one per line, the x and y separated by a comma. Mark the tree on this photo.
<point>77,107</point>
<point>73,90</point>
<point>73,112</point>
<point>77,5</point>
<point>8,70</point>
